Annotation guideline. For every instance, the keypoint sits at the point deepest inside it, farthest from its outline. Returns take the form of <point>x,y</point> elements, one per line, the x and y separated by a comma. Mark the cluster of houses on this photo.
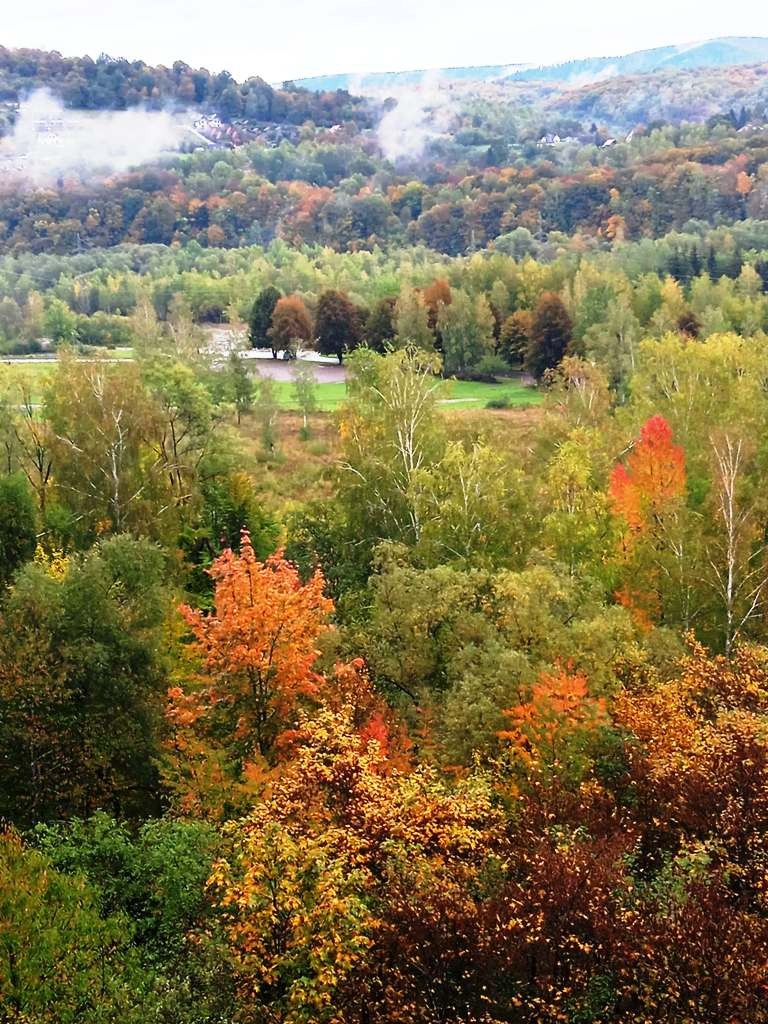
<point>593,138</point>
<point>210,129</point>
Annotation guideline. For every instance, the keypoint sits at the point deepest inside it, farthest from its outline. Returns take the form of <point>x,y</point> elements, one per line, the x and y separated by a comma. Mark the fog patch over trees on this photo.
<point>421,114</point>
<point>49,141</point>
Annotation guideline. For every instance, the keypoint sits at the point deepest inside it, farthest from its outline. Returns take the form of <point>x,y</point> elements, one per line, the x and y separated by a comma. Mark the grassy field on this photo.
<point>463,394</point>
<point>329,396</point>
<point>475,394</point>
<point>33,374</point>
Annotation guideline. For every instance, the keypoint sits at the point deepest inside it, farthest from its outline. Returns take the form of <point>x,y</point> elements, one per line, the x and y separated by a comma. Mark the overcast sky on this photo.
<point>281,39</point>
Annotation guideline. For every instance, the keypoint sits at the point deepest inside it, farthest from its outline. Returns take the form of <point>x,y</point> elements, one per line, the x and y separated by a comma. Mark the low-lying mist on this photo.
<point>422,114</point>
<point>50,143</point>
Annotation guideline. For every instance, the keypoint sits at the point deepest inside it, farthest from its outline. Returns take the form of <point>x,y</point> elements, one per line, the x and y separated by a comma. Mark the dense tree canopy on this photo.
<point>431,688</point>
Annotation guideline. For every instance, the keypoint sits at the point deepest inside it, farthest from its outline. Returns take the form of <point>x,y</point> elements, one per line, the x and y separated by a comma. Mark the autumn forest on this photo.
<point>384,552</point>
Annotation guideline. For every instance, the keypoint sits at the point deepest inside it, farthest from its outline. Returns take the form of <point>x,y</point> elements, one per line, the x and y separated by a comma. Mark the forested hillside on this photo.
<point>383,565</point>
<point>345,196</point>
<point>109,83</point>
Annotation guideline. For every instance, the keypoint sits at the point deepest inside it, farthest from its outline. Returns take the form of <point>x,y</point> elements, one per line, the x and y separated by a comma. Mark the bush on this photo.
<point>21,347</point>
<point>502,402</point>
<point>62,960</point>
<point>487,369</point>
<point>104,330</point>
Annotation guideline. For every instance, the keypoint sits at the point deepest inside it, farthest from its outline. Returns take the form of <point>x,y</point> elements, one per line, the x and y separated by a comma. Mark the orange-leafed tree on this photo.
<point>698,758</point>
<point>551,731</point>
<point>647,494</point>
<point>291,325</point>
<point>652,481</point>
<point>436,295</point>
<point>357,892</point>
<point>256,653</point>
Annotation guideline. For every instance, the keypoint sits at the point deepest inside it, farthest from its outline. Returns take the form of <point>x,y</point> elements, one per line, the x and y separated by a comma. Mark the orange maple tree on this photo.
<point>653,478</point>
<point>256,653</point>
<point>561,710</point>
<point>647,495</point>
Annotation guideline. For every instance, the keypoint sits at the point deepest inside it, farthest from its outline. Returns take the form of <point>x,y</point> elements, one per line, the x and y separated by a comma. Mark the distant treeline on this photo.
<point>110,83</point>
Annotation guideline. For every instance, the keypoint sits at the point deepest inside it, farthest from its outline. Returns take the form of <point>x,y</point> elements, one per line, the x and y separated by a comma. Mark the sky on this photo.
<point>282,39</point>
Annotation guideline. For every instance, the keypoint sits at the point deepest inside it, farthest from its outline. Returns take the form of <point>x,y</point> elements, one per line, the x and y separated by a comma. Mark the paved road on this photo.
<point>325,371</point>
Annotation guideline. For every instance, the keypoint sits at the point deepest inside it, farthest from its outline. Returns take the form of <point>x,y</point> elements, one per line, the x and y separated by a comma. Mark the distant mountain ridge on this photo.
<point>386,79</point>
<point>727,51</point>
<point>712,53</point>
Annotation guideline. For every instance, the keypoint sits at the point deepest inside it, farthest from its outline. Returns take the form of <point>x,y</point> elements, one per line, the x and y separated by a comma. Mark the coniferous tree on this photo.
<point>17,525</point>
<point>380,326</point>
<point>260,319</point>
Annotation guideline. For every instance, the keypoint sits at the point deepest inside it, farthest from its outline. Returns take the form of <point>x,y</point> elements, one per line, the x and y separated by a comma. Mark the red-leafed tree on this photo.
<point>651,483</point>
<point>656,557</point>
<point>338,324</point>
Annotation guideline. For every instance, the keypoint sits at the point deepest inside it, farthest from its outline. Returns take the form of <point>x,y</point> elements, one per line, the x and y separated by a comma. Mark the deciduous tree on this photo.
<point>256,652</point>
<point>550,336</point>
<point>338,327</point>
<point>291,326</point>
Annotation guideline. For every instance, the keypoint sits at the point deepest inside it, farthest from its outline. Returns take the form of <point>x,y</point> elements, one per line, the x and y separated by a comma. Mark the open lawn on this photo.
<point>462,393</point>
<point>475,394</point>
<point>329,395</point>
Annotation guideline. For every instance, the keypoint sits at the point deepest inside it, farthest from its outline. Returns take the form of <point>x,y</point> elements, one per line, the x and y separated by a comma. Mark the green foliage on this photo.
<point>260,320</point>
<point>241,385</point>
<point>266,412</point>
<point>81,683</point>
<point>411,321</point>
<point>155,876</point>
<point>304,389</point>
<point>466,329</point>
<point>60,322</point>
<point>503,402</point>
<point>380,328</point>
<point>229,506</point>
<point>18,525</point>
<point>61,960</point>
<point>390,431</point>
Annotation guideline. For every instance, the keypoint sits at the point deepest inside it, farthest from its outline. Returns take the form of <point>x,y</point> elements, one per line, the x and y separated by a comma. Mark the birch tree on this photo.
<point>737,553</point>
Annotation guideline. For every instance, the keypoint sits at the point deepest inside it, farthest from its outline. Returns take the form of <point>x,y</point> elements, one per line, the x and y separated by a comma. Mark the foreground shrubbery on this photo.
<point>455,755</point>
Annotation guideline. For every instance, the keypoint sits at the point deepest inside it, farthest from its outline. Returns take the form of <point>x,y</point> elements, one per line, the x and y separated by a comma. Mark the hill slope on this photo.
<point>396,79</point>
<point>713,53</point>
